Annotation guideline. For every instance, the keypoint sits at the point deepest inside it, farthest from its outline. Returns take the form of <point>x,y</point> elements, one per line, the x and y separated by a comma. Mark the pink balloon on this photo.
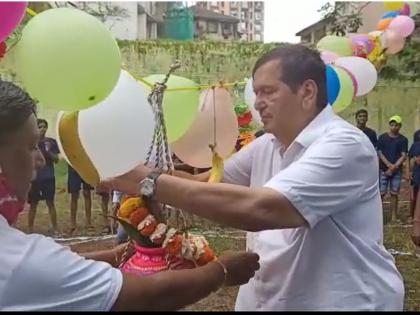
<point>395,43</point>
<point>405,10</point>
<point>193,147</point>
<point>357,39</point>
<point>11,14</point>
<point>328,57</point>
<point>402,25</point>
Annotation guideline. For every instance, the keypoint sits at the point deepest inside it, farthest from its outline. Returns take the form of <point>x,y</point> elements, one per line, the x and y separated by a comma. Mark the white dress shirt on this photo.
<point>37,274</point>
<point>330,174</point>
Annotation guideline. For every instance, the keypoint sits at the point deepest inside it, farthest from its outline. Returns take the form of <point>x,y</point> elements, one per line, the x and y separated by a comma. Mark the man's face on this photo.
<point>275,101</point>
<point>394,127</point>
<point>362,118</point>
<point>42,129</point>
<point>20,157</point>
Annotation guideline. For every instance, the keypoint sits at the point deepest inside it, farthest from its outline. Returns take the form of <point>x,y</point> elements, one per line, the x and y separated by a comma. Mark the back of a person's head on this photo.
<point>298,64</point>
<point>15,108</point>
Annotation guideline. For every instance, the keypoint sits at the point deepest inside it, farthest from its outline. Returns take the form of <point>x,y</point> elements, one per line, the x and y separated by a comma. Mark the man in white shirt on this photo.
<point>307,192</point>
<point>37,274</point>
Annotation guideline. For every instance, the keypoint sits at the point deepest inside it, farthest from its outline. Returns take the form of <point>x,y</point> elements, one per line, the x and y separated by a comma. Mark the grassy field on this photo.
<point>397,240</point>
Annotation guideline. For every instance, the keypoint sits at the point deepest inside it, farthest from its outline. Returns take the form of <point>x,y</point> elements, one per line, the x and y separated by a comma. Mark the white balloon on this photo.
<point>363,71</point>
<point>116,133</point>
<point>250,98</point>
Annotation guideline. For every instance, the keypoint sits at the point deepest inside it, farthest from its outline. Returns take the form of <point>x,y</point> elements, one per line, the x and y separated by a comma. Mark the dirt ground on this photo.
<point>397,240</point>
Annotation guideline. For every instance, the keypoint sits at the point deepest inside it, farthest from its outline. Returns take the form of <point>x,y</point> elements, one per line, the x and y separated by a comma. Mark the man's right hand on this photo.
<point>240,266</point>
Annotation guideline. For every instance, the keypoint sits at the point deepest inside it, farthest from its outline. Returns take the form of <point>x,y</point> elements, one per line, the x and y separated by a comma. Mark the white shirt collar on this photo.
<point>312,131</point>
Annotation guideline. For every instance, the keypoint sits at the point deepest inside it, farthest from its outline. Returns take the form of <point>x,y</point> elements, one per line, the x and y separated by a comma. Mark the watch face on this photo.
<point>147,188</point>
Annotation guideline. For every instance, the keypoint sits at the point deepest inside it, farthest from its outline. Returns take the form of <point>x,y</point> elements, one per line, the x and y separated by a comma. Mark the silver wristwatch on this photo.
<point>147,186</point>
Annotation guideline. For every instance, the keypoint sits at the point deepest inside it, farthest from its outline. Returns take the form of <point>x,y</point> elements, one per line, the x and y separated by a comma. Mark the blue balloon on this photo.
<point>333,84</point>
<point>391,14</point>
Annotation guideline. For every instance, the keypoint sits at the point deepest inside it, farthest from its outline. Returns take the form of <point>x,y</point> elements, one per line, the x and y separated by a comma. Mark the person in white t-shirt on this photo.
<point>38,274</point>
<point>307,191</point>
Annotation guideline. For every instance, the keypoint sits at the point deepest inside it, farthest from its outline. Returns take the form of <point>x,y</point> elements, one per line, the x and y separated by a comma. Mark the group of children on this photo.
<point>393,154</point>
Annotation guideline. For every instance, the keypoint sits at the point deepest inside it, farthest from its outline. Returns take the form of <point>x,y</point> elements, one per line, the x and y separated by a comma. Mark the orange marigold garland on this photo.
<point>165,243</point>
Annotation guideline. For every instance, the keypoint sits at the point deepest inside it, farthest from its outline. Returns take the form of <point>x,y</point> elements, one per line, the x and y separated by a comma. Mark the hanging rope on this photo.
<point>159,145</point>
<point>213,145</point>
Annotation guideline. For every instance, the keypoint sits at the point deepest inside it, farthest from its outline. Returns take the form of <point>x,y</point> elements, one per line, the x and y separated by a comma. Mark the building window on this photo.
<point>258,16</point>
<point>242,15</point>
<point>257,27</point>
<point>258,5</point>
<point>213,3</point>
<point>212,27</point>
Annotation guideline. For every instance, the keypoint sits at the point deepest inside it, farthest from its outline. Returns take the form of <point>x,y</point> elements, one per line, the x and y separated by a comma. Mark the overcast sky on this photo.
<point>284,18</point>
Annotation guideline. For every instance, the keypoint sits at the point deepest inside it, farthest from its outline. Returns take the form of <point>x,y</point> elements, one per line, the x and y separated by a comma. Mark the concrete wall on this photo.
<point>141,26</point>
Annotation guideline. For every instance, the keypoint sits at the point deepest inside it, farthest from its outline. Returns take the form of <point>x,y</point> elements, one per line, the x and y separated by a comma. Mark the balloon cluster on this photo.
<point>68,60</point>
<point>352,61</point>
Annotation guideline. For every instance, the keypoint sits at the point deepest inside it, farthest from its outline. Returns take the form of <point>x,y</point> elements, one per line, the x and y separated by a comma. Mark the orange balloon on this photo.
<point>384,23</point>
<point>193,147</point>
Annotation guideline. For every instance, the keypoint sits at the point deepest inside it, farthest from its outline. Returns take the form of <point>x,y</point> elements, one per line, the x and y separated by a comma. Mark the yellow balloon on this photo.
<point>377,56</point>
<point>393,5</point>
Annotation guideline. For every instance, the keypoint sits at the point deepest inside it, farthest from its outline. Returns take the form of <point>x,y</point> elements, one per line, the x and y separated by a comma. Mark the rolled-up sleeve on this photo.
<point>329,177</point>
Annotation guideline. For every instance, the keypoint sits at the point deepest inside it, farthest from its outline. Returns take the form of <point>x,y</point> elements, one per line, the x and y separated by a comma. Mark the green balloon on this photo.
<point>346,94</point>
<point>340,45</point>
<point>180,108</point>
<point>67,59</point>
